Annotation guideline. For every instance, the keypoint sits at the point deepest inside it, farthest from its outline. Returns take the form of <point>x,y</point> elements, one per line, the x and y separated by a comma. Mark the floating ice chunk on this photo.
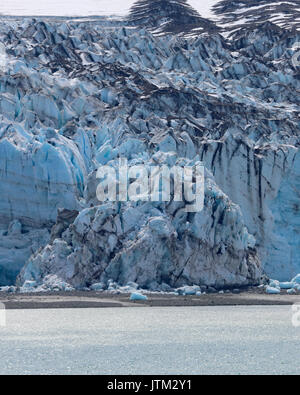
<point>286,285</point>
<point>138,296</point>
<point>272,290</point>
<point>274,284</point>
<point>291,291</point>
<point>188,290</point>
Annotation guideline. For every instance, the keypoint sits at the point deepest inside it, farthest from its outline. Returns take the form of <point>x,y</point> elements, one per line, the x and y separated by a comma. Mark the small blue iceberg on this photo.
<point>138,296</point>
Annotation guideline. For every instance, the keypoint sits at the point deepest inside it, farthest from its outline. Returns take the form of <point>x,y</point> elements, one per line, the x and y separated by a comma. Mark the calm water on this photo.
<point>191,340</point>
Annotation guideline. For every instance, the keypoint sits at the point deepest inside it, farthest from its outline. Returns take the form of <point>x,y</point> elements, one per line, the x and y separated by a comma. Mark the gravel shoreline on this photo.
<point>79,299</point>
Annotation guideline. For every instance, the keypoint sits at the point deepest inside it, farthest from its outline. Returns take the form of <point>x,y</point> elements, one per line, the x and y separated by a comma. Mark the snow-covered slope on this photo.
<point>77,95</point>
<point>169,16</point>
<point>232,15</point>
<point>228,16</point>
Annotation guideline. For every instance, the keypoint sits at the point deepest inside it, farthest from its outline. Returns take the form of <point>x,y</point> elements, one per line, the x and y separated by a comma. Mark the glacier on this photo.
<point>77,94</point>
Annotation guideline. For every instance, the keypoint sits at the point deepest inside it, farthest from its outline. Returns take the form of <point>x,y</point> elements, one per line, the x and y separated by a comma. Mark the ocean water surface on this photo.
<point>144,340</point>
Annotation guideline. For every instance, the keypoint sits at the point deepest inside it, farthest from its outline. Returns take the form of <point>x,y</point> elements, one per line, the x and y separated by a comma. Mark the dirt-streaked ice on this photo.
<point>76,95</point>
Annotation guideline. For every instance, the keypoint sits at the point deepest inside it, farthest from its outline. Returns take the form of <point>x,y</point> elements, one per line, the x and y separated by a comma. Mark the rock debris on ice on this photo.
<point>75,95</point>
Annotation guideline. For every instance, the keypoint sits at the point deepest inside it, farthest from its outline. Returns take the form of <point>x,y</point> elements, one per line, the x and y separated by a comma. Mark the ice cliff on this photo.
<point>75,95</point>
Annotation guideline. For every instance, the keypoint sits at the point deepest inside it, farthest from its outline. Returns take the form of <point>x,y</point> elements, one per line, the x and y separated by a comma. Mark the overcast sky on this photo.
<point>81,7</point>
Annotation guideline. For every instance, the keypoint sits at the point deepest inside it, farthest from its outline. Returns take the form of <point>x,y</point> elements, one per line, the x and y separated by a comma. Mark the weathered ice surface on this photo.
<point>17,244</point>
<point>75,95</point>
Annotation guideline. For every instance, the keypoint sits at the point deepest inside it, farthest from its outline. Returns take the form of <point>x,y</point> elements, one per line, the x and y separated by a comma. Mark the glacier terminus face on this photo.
<point>77,95</point>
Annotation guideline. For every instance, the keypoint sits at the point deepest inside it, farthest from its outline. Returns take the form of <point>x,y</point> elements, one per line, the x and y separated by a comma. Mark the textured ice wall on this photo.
<point>77,95</point>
